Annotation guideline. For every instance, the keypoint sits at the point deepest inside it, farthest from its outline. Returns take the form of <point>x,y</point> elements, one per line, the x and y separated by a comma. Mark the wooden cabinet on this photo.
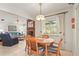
<point>30,27</point>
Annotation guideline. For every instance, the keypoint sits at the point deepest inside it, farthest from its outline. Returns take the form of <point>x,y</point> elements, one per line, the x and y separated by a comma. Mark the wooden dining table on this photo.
<point>45,43</point>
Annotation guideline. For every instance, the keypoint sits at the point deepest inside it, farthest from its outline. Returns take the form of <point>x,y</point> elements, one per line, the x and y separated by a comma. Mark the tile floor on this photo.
<point>19,50</point>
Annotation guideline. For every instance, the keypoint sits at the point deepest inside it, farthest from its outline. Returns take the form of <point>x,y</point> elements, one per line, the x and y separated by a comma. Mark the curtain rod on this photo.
<point>57,14</point>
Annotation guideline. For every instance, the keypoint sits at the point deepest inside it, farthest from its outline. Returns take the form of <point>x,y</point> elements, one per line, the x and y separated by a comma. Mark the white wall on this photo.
<point>69,33</point>
<point>11,19</point>
<point>22,24</point>
<point>77,30</point>
<point>76,33</point>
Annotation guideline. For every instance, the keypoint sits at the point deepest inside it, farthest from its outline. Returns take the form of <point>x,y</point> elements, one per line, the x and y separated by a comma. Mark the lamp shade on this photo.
<point>40,17</point>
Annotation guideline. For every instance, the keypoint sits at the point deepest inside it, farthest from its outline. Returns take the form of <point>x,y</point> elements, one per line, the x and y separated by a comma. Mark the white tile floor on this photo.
<point>19,50</point>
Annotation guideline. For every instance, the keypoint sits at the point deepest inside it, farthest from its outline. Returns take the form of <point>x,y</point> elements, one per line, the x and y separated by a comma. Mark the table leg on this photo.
<point>46,50</point>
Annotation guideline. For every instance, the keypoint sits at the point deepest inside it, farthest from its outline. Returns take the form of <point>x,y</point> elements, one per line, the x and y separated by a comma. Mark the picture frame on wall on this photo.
<point>12,28</point>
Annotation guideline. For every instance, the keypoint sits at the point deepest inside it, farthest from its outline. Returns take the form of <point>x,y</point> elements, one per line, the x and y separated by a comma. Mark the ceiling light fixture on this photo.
<point>40,16</point>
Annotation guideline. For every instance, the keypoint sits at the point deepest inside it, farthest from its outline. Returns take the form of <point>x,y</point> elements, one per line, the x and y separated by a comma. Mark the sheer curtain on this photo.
<point>54,25</point>
<point>51,25</point>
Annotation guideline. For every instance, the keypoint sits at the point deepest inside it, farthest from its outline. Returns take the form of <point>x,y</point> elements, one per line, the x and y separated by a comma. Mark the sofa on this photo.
<point>7,40</point>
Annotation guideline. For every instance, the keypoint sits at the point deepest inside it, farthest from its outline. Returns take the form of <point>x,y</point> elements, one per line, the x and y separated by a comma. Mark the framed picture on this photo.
<point>12,28</point>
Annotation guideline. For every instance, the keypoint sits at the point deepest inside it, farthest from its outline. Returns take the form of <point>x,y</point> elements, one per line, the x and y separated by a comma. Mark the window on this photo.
<point>52,26</point>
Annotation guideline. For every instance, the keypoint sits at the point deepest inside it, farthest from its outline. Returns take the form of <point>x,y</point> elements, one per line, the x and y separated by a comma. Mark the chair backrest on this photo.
<point>28,36</point>
<point>59,43</point>
<point>33,44</point>
<point>27,39</point>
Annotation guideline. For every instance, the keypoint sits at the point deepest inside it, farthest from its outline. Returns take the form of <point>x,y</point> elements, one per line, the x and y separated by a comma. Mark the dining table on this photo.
<point>45,42</point>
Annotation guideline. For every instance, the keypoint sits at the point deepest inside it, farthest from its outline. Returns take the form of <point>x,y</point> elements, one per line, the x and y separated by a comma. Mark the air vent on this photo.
<point>2,19</point>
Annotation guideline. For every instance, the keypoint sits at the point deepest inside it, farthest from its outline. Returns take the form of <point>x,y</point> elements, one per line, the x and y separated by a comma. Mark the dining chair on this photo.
<point>34,47</point>
<point>56,49</point>
<point>27,38</point>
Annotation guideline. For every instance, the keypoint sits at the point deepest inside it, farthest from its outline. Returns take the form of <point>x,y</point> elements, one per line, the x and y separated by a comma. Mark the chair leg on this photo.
<point>25,49</point>
<point>37,53</point>
<point>30,52</point>
<point>59,53</point>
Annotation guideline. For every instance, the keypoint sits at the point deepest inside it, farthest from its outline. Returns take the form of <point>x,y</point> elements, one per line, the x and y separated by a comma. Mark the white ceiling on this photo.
<point>32,9</point>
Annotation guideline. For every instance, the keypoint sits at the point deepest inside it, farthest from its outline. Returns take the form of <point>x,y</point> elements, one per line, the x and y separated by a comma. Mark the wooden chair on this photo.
<point>34,48</point>
<point>27,38</point>
<point>56,49</point>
